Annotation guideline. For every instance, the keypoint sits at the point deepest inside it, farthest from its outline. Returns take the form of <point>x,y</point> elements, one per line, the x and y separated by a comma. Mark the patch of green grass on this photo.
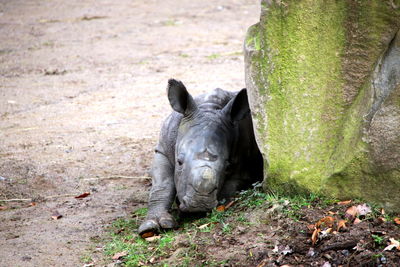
<point>214,56</point>
<point>242,219</point>
<point>143,62</point>
<point>379,240</point>
<point>170,22</point>
<point>226,228</point>
<point>49,44</point>
<point>376,256</point>
<point>235,53</point>
<point>255,197</point>
<point>168,249</point>
<point>86,258</point>
<point>141,212</point>
<point>120,187</point>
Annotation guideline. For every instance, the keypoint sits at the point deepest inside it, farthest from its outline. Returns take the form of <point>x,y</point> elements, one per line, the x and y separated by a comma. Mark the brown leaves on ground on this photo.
<point>222,208</point>
<point>351,213</point>
<point>396,220</point>
<point>341,224</point>
<point>393,244</point>
<point>86,194</point>
<point>326,225</point>
<point>314,236</point>
<point>354,211</point>
<point>345,202</point>
<point>148,234</point>
<point>3,207</point>
<point>322,228</point>
<point>326,222</point>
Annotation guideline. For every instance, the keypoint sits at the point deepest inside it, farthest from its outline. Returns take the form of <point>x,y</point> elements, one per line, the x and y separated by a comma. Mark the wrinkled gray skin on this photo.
<point>207,151</point>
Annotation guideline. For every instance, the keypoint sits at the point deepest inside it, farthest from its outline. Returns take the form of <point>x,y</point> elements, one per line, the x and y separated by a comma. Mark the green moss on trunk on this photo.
<point>311,63</point>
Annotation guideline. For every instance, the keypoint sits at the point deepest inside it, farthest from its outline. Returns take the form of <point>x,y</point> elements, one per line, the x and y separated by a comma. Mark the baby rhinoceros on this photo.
<point>206,152</point>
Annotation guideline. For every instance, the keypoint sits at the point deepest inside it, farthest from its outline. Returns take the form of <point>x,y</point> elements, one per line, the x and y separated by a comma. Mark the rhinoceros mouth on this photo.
<point>197,203</point>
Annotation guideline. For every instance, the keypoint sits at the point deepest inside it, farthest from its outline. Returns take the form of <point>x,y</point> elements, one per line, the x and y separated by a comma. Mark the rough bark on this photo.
<point>324,88</point>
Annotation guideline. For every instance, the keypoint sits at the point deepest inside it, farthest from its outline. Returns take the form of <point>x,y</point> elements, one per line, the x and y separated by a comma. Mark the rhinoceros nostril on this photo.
<point>207,155</point>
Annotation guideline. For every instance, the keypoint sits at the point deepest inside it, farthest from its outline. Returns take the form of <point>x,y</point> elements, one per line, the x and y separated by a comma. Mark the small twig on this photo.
<point>117,177</point>
<point>58,196</point>
<point>32,199</point>
<point>15,199</point>
<point>340,245</point>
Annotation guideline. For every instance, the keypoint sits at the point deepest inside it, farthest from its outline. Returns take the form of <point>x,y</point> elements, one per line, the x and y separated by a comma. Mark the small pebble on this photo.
<point>345,253</point>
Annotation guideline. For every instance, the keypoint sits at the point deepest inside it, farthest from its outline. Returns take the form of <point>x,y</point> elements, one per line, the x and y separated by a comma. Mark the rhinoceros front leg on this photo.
<point>162,195</point>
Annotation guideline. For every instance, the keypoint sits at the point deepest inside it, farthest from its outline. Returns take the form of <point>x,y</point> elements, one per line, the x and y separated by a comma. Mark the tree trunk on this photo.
<point>324,88</point>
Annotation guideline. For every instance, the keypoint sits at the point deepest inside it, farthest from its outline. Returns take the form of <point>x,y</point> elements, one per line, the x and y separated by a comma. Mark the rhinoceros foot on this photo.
<point>154,223</point>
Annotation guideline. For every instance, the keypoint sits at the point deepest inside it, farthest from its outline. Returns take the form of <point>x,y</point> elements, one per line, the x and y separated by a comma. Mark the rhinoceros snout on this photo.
<point>197,204</point>
<point>206,180</point>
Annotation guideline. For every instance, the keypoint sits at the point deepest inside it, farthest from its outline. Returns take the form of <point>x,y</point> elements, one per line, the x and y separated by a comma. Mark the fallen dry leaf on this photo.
<point>314,236</point>
<point>147,234</point>
<point>396,220</point>
<point>356,221</point>
<point>393,244</point>
<point>345,202</point>
<point>204,225</point>
<point>262,264</point>
<point>56,215</point>
<point>119,255</point>
<point>32,204</point>
<point>311,228</point>
<point>382,211</point>
<point>152,238</point>
<point>83,195</point>
<point>220,208</point>
<point>341,224</point>
<point>332,213</point>
<point>325,222</point>
<point>351,213</point>
<point>3,207</point>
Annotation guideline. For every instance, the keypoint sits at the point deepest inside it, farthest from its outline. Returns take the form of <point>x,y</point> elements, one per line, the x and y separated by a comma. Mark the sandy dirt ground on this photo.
<point>82,96</point>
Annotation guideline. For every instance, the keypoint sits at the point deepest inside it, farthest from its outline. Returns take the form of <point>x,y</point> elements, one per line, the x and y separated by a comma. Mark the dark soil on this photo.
<point>268,237</point>
<point>82,96</point>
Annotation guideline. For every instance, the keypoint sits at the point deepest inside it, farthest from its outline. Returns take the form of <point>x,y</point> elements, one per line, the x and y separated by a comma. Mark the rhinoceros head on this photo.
<point>203,148</point>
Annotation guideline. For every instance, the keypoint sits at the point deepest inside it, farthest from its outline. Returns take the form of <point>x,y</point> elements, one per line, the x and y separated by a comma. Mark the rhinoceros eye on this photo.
<point>180,159</point>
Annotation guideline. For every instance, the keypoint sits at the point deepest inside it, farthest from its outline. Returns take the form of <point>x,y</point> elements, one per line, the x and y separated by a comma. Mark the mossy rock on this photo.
<point>324,88</point>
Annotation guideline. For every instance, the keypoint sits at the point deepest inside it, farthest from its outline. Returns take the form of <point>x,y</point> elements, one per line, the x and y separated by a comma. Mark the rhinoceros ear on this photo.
<point>179,98</point>
<point>238,107</point>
